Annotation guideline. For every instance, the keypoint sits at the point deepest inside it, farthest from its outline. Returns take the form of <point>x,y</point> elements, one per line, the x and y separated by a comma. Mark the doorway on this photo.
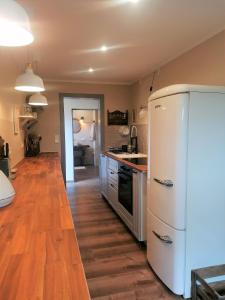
<point>86,141</point>
<point>82,134</point>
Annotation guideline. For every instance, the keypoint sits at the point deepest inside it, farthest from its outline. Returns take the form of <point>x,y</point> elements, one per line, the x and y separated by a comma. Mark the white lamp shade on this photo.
<point>29,82</point>
<point>14,25</point>
<point>7,191</point>
<point>38,99</point>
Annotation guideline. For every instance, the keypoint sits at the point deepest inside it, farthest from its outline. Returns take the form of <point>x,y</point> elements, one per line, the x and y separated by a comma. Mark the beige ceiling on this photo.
<point>143,36</point>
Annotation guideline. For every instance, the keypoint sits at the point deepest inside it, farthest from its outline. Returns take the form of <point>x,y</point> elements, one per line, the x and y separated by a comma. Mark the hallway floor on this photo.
<point>115,264</point>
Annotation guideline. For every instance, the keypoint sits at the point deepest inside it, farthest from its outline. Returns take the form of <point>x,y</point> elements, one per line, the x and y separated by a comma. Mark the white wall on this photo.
<point>115,97</point>
<point>69,105</point>
<point>9,98</point>
<point>204,64</point>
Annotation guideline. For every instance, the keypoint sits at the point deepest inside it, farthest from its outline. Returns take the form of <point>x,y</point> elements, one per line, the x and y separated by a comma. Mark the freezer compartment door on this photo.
<point>166,253</point>
<point>168,155</point>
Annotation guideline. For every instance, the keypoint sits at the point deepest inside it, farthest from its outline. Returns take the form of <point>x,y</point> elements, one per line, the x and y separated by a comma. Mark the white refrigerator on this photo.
<point>186,182</point>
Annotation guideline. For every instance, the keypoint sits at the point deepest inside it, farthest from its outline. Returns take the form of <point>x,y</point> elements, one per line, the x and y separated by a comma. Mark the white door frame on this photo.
<point>71,103</point>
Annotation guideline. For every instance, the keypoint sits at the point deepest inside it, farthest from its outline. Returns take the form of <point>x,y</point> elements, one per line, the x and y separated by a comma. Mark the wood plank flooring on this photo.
<point>115,264</point>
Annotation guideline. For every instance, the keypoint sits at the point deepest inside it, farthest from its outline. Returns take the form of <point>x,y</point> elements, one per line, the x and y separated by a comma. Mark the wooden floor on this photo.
<point>115,265</point>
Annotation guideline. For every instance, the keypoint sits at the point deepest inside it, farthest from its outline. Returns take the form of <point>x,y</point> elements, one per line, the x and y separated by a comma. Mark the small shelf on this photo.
<point>27,117</point>
<point>27,121</point>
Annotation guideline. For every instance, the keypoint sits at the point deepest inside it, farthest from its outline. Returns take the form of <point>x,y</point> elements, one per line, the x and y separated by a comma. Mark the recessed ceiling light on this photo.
<point>90,70</point>
<point>134,1</point>
<point>104,48</point>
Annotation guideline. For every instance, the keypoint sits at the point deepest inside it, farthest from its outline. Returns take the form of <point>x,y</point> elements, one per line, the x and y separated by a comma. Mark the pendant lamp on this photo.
<point>14,25</point>
<point>29,82</point>
<point>38,99</point>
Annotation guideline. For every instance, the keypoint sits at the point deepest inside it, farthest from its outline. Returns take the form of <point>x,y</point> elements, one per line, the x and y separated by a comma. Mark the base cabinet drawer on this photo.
<point>112,185</point>
<point>113,165</point>
<point>112,195</point>
<point>113,176</point>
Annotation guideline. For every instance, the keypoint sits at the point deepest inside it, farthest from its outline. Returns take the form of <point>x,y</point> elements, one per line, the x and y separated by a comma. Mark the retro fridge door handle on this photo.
<point>164,238</point>
<point>167,183</point>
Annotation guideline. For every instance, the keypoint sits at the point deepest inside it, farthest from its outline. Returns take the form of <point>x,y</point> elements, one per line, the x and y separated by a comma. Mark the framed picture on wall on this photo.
<point>117,117</point>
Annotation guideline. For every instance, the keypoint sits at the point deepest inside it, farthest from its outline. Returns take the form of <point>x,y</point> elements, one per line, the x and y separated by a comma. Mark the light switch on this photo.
<point>56,139</point>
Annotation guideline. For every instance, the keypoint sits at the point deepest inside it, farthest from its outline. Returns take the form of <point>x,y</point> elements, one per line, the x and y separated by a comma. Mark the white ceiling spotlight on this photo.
<point>29,82</point>
<point>14,25</point>
<point>90,70</point>
<point>104,48</point>
<point>134,1</point>
<point>38,99</point>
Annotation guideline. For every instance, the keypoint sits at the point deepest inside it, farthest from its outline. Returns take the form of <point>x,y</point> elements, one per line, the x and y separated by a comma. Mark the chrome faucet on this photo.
<point>133,139</point>
<point>132,128</point>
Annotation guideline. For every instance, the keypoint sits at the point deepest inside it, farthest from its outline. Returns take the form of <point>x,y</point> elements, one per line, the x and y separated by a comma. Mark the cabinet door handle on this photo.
<point>168,183</point>
<point>164,238</point>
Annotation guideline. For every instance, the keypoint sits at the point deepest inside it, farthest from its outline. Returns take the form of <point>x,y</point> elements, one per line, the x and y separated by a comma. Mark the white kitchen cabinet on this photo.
<point>113,182</point>
<point>112,195</point>
<point>104,175</point>
<point>113,164</point>
<point>110,182</point>
<point>139,202</point>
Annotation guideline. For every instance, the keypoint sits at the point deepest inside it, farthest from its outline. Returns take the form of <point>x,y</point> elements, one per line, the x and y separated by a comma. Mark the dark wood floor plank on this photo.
<point>104,222</point>
<point>117,265</point>
<point>104,241</point>
<point>116,283</point>
<point>96,231</point>
<point>110,252</point>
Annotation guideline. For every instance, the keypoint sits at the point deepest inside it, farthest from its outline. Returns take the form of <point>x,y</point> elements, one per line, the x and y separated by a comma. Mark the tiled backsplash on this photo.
<point>114,139</point>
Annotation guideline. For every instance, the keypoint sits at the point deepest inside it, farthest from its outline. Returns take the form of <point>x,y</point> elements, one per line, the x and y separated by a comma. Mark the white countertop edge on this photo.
<point>128,155</point>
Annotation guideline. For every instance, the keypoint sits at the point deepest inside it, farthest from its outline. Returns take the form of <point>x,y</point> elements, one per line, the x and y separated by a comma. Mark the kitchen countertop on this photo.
<point>39,253</point>
<point>140,168</point>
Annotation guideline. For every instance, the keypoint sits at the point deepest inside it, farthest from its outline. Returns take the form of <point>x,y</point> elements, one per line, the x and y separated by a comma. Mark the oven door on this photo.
<point>126,189</point>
